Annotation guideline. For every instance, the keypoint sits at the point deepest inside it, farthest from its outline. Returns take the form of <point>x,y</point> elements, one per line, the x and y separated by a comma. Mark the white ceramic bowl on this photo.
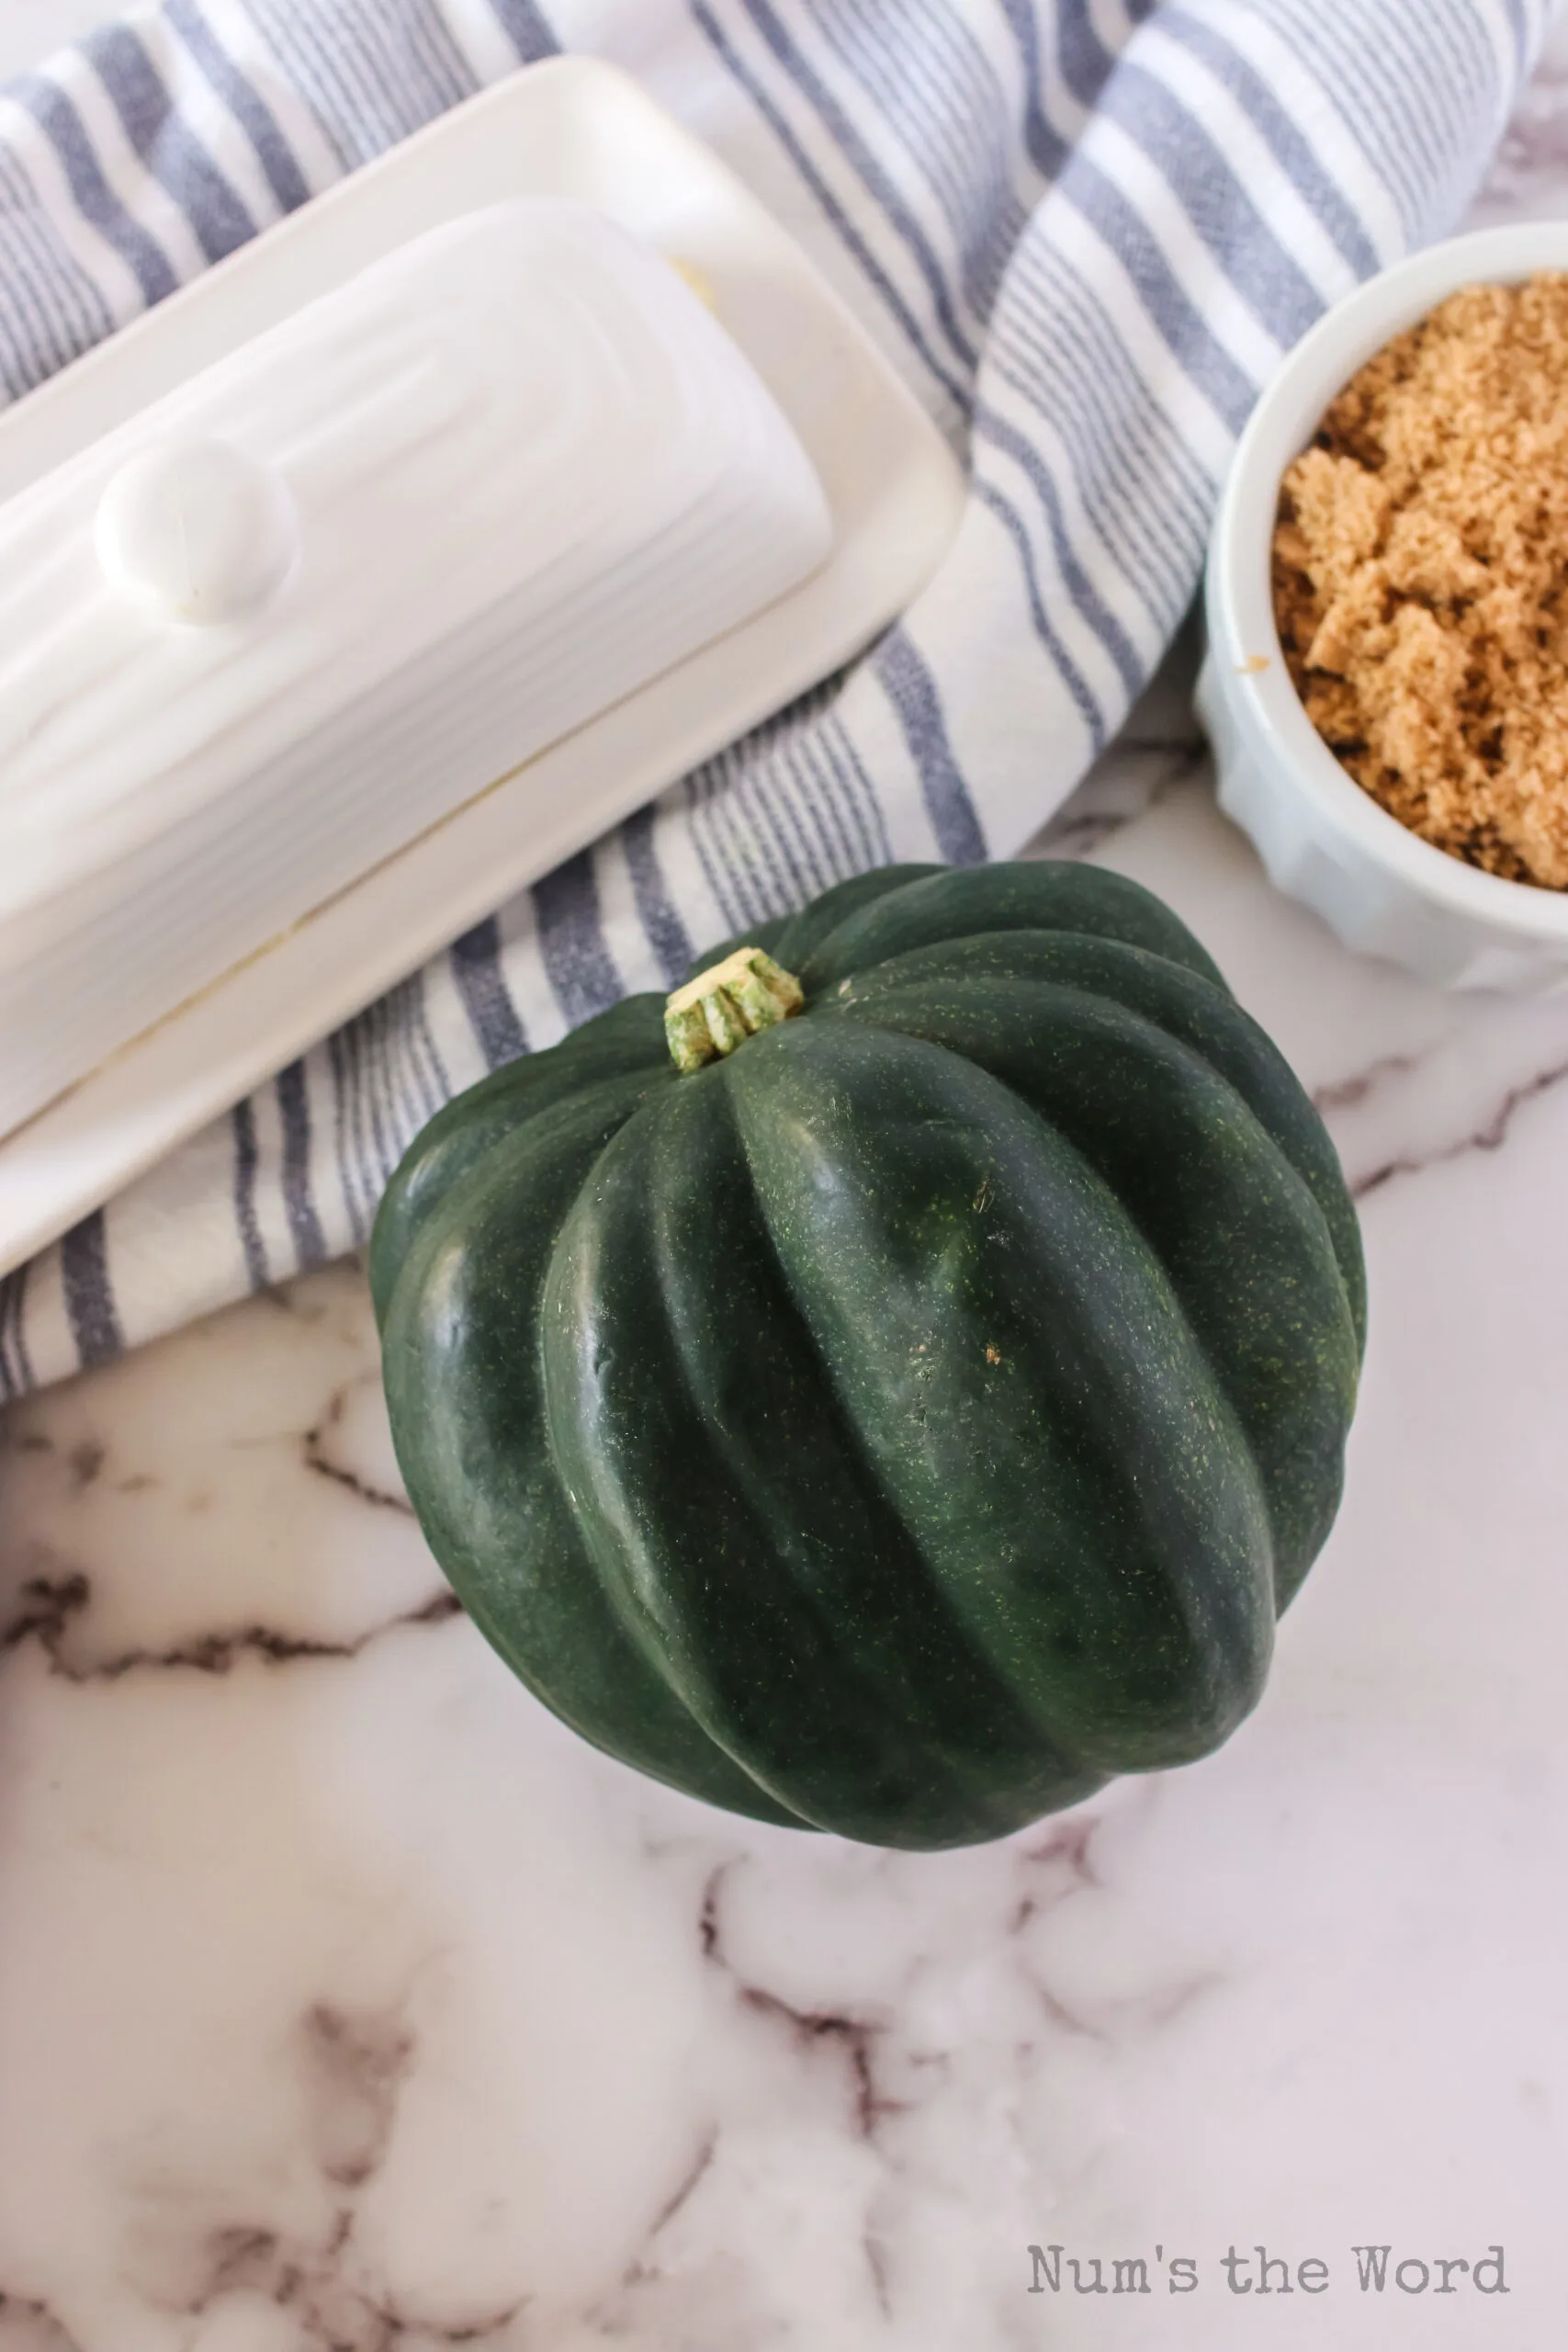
<point>1322,839</point>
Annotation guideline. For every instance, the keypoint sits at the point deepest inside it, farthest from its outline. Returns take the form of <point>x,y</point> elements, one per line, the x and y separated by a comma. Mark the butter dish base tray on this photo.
<point>581,130</point>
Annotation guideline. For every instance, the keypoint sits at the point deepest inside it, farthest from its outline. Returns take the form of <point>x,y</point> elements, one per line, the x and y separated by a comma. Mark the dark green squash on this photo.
<point>903,1424</point>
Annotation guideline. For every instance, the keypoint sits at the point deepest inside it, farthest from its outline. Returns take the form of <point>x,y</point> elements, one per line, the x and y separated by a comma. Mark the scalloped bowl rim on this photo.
<point>1239,598</point>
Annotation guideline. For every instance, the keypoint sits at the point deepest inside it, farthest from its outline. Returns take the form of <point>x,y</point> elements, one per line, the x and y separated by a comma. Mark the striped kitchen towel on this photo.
<point>1085,231</point>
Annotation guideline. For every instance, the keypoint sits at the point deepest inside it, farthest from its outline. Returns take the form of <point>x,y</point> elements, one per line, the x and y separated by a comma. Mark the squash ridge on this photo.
<point>1070,1397</point>
<point>887,1737</point>
<point>919,1008</point>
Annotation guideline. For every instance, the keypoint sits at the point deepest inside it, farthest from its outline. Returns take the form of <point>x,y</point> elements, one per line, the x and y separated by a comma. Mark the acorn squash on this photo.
<point>916,1411</point>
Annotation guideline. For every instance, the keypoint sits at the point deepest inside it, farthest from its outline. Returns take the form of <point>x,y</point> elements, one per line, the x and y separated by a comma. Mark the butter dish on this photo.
<point>296,613</point>
<point>364,580</point>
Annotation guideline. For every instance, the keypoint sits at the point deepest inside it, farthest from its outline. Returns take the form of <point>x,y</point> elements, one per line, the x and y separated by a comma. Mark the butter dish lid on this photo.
<point>519,440</point>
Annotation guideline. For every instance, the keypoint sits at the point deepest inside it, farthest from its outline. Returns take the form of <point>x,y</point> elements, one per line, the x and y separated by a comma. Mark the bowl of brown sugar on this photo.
<point>1386,684</point>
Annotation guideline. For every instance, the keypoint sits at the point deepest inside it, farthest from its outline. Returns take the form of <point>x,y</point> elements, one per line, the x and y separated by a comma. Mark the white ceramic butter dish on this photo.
<point>309,606</point>
<point>424,648</point>
<point>293,615</point>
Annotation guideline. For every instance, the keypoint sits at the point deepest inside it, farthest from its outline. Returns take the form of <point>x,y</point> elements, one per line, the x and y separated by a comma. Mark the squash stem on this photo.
<point>713,1014</point>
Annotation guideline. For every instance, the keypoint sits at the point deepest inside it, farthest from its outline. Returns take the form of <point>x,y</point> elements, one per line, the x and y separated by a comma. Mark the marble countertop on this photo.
<point>346,2001</point>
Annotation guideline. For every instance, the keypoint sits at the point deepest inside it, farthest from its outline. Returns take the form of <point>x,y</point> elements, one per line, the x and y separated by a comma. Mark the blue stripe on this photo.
<point>477,974</point>
<point>577,964</point>
<point>23,364</point>
<point>365,79</point>
<point>815,787</point>
<point>362,1061</point>
<point>1523,38</point>
<point>26,353</point>
<point>1269,280</point>
<point>1086,63</point>
<point>854,244</point>
<point>746,813</point>
<point>1159,572</point>
<point>830,788</point>
<point>990,495</point>
<point>716,873</point>
<point>245,1218</point>
<point>1145,497</point>
<point>91,193</point>
<point>1287,143</point>
<point>1382,145</point>
<point>1130,665</point>
<point>342,1061</point>
<point>95,1331</point>
<point>856,150</point>
<point>806,772</point>
<point>294,1113</point>
<point>917,704</point>
<point>837,746</point>
<point>176,160</point>
<point>245,102</point>
<point>1201,357</point>
<point>1428,128</point>
<point>1048,151</point>
<point>428,1083</point>
<point>779,812</point>
<point>1058,305</point>
<point>791,817</point>
<point>394,1098</point>
<point>727,850</point>
<point>16,1363</point>
<point>50,285</point>
<point>302,63</point>
<point>783,804</point>
<point>936,89</point>
<point>29,348</point>
<point>1446,99</point>
<point>524,26</point>
<point>657,911</point>
<point>305,63</point>
<point>349,87</point>
<point>939,95</point>
<point>396,1081</point>
<point>841,785</point>
<point>423,48</point>
<point>1363,80</point>
<point>378,1058</point>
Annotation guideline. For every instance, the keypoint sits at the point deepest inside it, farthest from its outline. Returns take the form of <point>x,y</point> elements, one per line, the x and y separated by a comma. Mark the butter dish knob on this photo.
<point>196,531</point>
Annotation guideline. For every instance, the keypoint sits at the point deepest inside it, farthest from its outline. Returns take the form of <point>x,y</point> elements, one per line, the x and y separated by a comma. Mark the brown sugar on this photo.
<point>1421,578</point>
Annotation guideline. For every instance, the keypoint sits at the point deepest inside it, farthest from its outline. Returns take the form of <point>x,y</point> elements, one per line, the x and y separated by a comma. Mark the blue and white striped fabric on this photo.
<point>1085,231</point>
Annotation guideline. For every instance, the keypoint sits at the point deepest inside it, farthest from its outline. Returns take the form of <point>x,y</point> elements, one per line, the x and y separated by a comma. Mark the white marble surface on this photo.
<point>347,2002</point>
